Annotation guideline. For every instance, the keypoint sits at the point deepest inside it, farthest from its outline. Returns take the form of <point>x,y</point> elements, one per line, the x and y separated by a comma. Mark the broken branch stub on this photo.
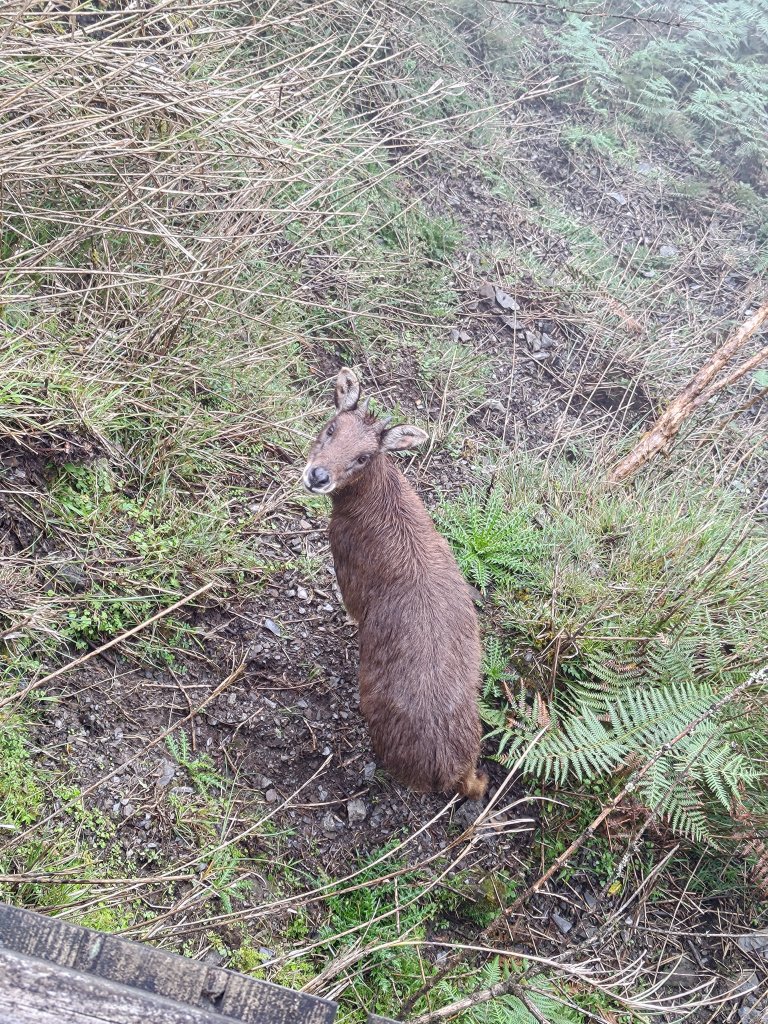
<point>701,388</point>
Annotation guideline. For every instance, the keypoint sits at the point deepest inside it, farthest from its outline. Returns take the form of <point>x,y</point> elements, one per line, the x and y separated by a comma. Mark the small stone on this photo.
<point>756,942</point>
<point>302,594</point>
<point>304,524</point>
<point>325,751</point>
<point>118,733</point>
<point>326,607</point>
<point>356,811</point>
<point>505,300</point>
<point>667,251</point>
<point>128,810</point>
<point>165,774</point>
<point>486,290</point>
<point>271,796</point>
<point>369,771</point>
<point>747,983</point>
<point>331,822</point>
<point>562,923</point>
<point>270,625</point>
<point>618,197</point>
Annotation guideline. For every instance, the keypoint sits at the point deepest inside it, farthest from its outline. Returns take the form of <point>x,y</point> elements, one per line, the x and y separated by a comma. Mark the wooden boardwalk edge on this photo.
<point>51,970</point>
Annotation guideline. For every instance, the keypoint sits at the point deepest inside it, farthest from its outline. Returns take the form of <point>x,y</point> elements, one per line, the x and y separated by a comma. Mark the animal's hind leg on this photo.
<point>473,784</point>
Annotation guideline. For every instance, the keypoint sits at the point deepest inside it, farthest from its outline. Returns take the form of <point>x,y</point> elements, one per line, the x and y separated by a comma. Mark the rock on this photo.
<point>618,197</point>
<point>686,975</point>
<point>667,251</point>
<point>494,404</point>
<point>590,900</point>
<point>486,290</point>
<point>271,796</point>
<point>270,625</point>
<point>165,773</point>
<point>369,771</point>
<point>756,942</point>
<point>466,815</point>
<point>562,923</point>
<point>331,822</point>
<point>302,594</point>
<point>511,322</point>
<point>326,607</point>
<point>505,300</point>
<point>745,985</point>
<point>128,810</point>
<point>356,811</point>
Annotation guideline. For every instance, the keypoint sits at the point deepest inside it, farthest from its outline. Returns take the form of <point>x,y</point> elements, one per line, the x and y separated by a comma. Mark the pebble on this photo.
<point>369,771</point>
<point>271,796</point>
<point>331,822</point>
<point>302,594</point>
<point>165,774</point>
<point>757,943</point>
<point>128,810</point>
<point>562,923</point>
<point>270,625</point>
<point>356,811</point>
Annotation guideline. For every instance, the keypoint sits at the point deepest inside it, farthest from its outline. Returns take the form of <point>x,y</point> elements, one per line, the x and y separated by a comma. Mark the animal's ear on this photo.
<point>397,439</point>
<point>347,390</point>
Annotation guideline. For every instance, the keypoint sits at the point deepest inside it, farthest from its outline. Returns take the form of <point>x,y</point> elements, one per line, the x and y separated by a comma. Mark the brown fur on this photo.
<point>419,641</point>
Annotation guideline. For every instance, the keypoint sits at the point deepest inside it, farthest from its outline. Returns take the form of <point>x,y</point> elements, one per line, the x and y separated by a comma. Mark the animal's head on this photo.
<point>348,443</point>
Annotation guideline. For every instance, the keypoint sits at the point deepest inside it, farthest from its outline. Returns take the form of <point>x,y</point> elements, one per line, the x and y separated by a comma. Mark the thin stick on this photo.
<point>105,647</point>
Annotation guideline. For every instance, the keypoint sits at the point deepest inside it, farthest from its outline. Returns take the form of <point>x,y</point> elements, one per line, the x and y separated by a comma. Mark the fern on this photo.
<point>200,767</point>
<point>611,645</point>
<point>493,544</point>
<point>511,1009</point>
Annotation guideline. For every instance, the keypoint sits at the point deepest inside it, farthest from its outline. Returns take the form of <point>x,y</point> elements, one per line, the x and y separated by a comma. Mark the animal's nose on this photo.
<point>319,477</point>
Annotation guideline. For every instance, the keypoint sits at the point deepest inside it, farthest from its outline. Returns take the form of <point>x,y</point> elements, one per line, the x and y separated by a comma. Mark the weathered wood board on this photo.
<point>52,971</point>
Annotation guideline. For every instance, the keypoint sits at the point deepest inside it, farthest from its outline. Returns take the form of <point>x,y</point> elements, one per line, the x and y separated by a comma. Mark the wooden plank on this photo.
<point>244,999</point>
<point>264,1003</point>
<point>35,991</point>
<point>47,937</point>
<point>153,970</point>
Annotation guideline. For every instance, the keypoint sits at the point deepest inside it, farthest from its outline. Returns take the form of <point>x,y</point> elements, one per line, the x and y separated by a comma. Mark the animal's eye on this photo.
<point>362,459</point>
<point>331,430</point>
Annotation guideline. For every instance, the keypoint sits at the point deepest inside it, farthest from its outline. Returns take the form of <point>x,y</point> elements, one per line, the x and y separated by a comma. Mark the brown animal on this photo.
<point>419,643</point>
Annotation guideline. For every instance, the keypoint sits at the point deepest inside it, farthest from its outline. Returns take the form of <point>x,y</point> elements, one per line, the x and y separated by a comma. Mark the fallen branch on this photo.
<point>699,390</point>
